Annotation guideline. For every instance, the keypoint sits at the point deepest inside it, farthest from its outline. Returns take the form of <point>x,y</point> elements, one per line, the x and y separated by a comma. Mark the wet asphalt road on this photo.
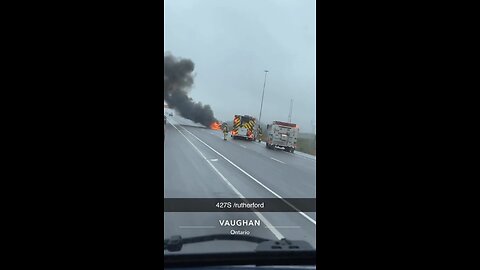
<point>200,164</point>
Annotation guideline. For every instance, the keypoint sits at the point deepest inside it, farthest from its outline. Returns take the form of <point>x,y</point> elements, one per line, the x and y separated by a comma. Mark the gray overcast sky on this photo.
<point>232,42</point>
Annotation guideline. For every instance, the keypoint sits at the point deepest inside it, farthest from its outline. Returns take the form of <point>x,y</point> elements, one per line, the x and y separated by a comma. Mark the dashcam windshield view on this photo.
<point>239,127</point>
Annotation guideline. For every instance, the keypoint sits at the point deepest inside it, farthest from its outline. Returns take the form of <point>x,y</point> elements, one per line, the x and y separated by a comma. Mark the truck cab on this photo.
<point>282,134</point>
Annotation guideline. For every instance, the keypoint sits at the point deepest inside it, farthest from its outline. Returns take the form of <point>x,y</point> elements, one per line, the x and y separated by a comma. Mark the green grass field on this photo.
<point>307,146</point>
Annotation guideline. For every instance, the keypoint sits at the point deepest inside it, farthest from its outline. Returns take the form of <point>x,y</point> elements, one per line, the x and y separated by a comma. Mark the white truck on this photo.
<point>282,134</point>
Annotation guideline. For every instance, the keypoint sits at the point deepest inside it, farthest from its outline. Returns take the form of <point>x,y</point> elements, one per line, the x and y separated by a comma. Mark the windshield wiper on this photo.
<point>267,252</point>
<point>176,242</point>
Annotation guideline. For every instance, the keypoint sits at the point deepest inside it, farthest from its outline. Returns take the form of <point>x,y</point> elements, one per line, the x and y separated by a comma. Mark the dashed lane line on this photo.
<point>253,178</point>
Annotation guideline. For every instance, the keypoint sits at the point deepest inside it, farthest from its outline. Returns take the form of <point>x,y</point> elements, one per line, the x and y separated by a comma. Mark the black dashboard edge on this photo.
<point>298,258</point>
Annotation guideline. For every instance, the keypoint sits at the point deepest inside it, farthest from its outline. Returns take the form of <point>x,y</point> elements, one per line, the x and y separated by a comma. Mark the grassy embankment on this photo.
<point>307,146</point>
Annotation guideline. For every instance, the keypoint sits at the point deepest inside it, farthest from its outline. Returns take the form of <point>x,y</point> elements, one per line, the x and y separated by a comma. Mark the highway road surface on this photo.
<point>200,164</point>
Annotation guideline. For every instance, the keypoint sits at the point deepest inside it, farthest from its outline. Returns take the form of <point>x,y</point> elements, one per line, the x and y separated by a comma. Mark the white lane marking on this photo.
<point>214,159</point>
<point>243,146</point>
<point>304,157</point>
<point>277,160</point>
<point>259,215</point>
<point>262,145</point>
<point>253,178</point>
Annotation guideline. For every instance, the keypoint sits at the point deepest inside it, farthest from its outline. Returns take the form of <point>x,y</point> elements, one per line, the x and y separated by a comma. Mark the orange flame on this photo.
<point>215,126</point>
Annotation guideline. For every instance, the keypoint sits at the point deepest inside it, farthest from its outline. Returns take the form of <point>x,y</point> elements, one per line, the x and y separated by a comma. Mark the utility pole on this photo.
<point>290,114</point>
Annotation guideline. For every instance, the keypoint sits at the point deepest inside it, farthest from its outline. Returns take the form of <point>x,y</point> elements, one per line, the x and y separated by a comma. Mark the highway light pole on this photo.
<point>263,94</point>
<point>261,106</point>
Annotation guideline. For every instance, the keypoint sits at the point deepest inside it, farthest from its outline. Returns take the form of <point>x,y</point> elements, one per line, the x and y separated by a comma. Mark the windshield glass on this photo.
<point>224,59</point>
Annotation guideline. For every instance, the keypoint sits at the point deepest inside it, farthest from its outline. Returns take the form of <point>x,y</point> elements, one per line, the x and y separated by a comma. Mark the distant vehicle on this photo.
<point>282,134</point>
<point>170,114</point>
<point>243,127</point>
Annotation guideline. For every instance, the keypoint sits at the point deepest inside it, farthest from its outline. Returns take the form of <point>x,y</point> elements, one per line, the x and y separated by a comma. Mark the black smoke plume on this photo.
<point>177,82</point>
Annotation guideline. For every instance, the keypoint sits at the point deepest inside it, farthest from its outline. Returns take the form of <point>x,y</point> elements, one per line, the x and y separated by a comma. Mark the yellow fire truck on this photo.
<point>243,127</point>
